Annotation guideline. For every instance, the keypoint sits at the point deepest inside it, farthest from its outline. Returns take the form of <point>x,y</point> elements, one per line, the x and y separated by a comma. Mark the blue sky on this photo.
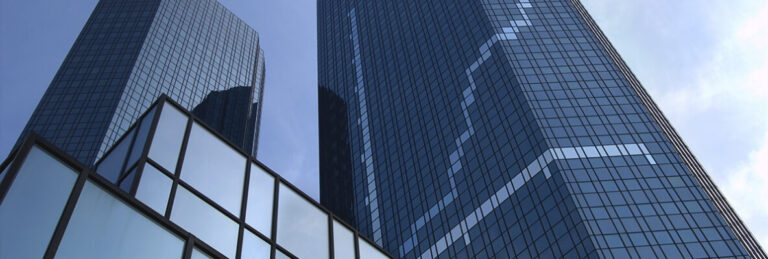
<point>704,62</point>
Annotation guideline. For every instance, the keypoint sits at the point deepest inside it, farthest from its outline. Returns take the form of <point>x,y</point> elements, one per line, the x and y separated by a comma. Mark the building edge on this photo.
<point>737,225</point>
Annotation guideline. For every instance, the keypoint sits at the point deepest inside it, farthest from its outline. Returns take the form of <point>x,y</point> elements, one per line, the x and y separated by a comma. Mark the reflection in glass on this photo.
<point>32,207</point>
<point>210,225</point>
<point>368,251</point>
<point>302,228</point>
<point>104,227</point>
<point>198,254</point>
<point>169,134</point>
<point>214,169</point>
<point>254,247</point>
<point>281,255</point>
<point>128,180</point>
<point>154,189</point>
<point>261,186</point>
<point>343,242</point>
<point>110,166</point>
<point>141,137</point>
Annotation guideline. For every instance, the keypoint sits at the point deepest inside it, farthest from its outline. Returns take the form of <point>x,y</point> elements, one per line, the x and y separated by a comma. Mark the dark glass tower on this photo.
<point>501,129</point>
<point>131,52</point>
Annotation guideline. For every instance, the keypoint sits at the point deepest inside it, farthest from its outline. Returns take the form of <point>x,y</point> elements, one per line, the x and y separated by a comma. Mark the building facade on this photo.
<point>170,188</point>
<point>131,52</point>
<point>504,129</point>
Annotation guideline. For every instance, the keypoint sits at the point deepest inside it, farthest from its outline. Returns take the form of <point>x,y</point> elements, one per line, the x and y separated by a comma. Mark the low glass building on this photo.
<point>170,188</point>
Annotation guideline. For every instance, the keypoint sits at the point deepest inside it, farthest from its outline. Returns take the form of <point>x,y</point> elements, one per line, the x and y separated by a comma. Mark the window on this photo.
<point>368,251</point>
<point>302,228</point>
<point>169,134</point>
<point>104,227</point>
<point>111,165</point>
<point>32,207</point>
<point>261,186</point>
<point>154,189</point>
<point>214,168</point>
<point>254,247</point>
<point>141,138</point>
<point>210,225</point>
<point>343,242</point>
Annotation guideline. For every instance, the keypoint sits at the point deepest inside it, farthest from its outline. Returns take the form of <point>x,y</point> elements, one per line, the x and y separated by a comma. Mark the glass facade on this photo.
<point>216,202</point>
<point>503,129</point>
<point>131,52</point>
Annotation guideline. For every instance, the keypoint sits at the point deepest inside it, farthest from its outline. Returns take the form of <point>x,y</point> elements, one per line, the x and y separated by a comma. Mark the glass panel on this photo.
<point>368,251</point>
<point>199,254</point>
<point>343,242</point>
<point>154,189</point>
<point>214,228</point>
<point>32,207</point>
<point>169,134</point>
<point>110,166</point>
<point>254,247</point>
<point>104,227</point>
<point>127,181</point>
<point>261,192</point>
<point>302,228</point>
<point>281,255</point>
<point>214,169</point>
<point>141,137</point>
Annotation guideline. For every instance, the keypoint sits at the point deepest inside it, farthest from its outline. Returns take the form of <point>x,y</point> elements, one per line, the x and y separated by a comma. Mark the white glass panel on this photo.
<point>254,247</point>
<point>104,227</point>
<point>261,192</point>
<point>154,189</point>
<point>343,242</point>
<point>368,251</point>
<point>32,207</point>
<point>210,225</point>
<point>214,169</point>
<point>169,134</point>
<point>302,228</point>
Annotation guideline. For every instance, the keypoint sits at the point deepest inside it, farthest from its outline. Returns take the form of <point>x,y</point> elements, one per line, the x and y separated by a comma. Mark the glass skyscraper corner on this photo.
<point>171,187</point>
<point>130,53</point>
<point>504,129</point>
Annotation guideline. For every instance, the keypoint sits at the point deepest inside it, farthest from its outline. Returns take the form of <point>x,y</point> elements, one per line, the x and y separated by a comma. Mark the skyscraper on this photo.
<point>504,128</point>
<point>131,52</point>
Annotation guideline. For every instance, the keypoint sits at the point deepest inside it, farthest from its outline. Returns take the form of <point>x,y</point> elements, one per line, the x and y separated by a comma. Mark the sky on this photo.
<point>705,63</point>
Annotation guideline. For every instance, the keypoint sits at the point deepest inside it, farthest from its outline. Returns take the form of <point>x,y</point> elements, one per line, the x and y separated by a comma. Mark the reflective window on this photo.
<point>141,137</point>
<point>154,189</point>
<point>368,251</point>
<point>104,227</point>
<point>199,254</point>
<point>210,225</point>
<point>111,164</point>
<point>281,255</point>
<point>169,134</point>
<point>214,169</point>
<point>261,186</point>
<point>302,228</point>
<point>254,247</point>
<point>343,242</point>
<point>127,182</point>
<point>31,208</point>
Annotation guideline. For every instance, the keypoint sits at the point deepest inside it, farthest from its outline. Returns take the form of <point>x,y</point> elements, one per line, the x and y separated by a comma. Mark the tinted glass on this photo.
<point>141,137</point>
<point>154,188</point>
<point>302,228</point>
<point>105,227</point>
<point>168,137</point>
<point>33,204</point>
<point>368,251</point>
<point>111,164</point>
<point>214,168</point>
<point>214,228</point>
<point>281,255</point>
<point>261,188</point>
<point>198,254</point>
<point>343,242</point>
<point>128,180</point>
<point>254,247</point>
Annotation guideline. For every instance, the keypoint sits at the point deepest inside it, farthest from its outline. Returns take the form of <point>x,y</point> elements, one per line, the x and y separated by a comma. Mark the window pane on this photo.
<point>198,254</point>
<point>194,215</point>
<point>254,247</point>
<point>169,134</point>
<point>128,180</point>
<point>32,207</point>
<point>368,251</point>
<point>154,189</point>
<point>281,255</point>
<point>214,169</point>
<point>104,227</point>
<point>110,166</point>
<point>343,242</point>
<point>141,137</point>
<point>302,228</point>
<point>261,190</point>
